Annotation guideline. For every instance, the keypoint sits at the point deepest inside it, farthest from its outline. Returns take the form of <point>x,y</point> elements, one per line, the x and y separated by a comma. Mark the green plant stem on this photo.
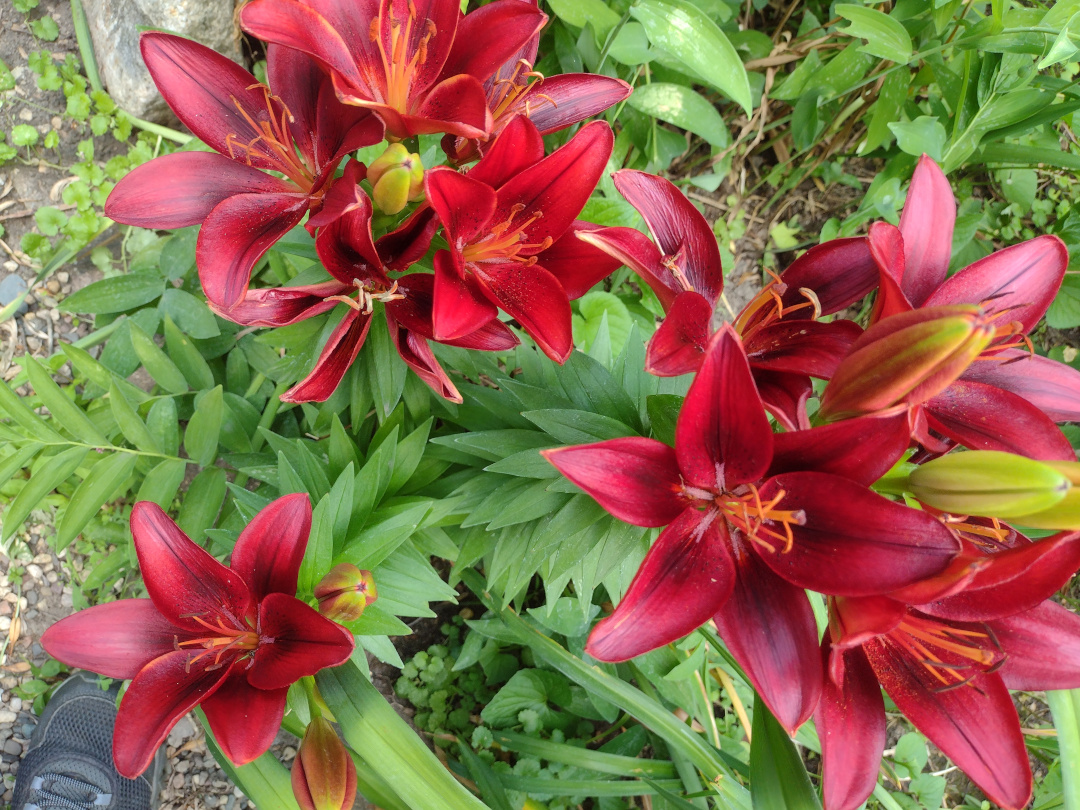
<point>157,129</point>
<point>1065,708</point>
<point>108,448</point>
<point>86,45</point>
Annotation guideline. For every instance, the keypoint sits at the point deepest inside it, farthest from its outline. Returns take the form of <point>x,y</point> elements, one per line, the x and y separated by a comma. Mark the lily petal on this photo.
<point>459,303</point>
<point>490,35</point>
<point>464,205</point>
<point>245,720</point>
<point>640,254</point>
<point>723,437</point>
<point>535,299</point>
<point>1042,648</point>
<point>457,105</point>
<point>927,224</point>
<point>685,579</point>
<point>678,345</point>
<point>270,548</point>
<point>181,578</point>
<point>560,101</point>
<point>303,643</point>
<point>515,149</point>
<point>802,347</point>
<point>887,248</point>
<point>337,355</point>
<point>344,241</point>
<point>768,625</point>
<point>784,395</point>
<point>282,306</point>
<point>115,639</point>
<point>854,542</point>
<point>578,265</point>
<point>635,479</point>
<point>854,620</point>
<point>956,721</point>
<point>1052,387</point>
<point>840,272</point>
<point>416,352</point>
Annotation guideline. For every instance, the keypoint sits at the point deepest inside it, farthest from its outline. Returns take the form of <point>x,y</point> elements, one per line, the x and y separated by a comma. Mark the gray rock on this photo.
<point>115,26</point>
<point>11,288</point>
<point>12,747</point>
<point>182,732</point>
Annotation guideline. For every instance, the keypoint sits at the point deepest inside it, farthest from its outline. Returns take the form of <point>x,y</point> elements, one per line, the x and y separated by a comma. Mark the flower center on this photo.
<point>400,70</point>
<point>506,97</point>
<point>952,655</point>
<point>768,307</point>
<point>759,520</point>
<point>273,143</point>
<point>225,643</point>
<point>366,298</point>
<point>506,241</point>
<point>990,538</point>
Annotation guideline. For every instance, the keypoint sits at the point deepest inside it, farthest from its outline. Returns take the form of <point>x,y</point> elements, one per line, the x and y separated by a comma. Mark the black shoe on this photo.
<point>69,764</point>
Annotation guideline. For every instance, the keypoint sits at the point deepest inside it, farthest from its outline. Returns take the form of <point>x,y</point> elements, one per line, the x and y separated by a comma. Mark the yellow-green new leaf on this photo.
<point>98,488</point>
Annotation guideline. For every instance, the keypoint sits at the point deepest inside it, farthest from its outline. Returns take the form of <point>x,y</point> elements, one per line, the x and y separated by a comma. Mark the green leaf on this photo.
<point>45,28</point>
<point>580,13</point>
<point>204,427</point>
<point>1065,708</point>
<point>133,428</point>
<point>385,369</point>
<point>98,488</point>
<point>117,294</point>
<point>202,501</point>
<point>778,779</point>
<point>1066,46</point>
<point>885,111</point>
<point>162,482</point>
<point>164,426</point>
<point>578,427</point>
<point>24,135</point>
<point>66,413</point>
<point>885,36</point>
<point>191,315</point>
<point>157,363</point>
<point>597,307</point>
<point>329,519</point>
<point>186,357</point>
<point>14,407</point>
<point>528,689</point>
<point>1064,311</point>
<point>924,134</point>
<point>51,474</point>
<point>486,779</point>
<point>50,220</point>
<point>686,32</point>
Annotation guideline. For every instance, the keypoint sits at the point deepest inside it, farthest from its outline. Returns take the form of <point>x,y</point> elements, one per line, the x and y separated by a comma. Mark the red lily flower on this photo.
<point>784,341</point>
<point>419,66</point>
<point>1009,399</point>
<point>510,226</point>
<point>550,103</point>
<point>948,664</point>
<point>359,266</point>
<point>754,518</point>
<point>294,127</point>
<point>231,639</point>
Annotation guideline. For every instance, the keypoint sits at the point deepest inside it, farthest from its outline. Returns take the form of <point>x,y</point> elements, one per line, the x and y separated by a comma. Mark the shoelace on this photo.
<point>65,793</point>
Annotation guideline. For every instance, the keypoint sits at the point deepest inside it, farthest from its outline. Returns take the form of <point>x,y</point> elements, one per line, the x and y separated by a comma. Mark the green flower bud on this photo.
<point>396,177</point>
<point>345,592</point>
<point>323,773</point>
<point>989,483</point>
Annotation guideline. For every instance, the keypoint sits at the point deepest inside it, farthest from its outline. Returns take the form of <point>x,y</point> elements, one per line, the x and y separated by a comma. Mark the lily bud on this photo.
<point>906,359</point>
<point>989,483</point>
<point>396,177</point>
<point>345,592</point>
<point>323,773</point>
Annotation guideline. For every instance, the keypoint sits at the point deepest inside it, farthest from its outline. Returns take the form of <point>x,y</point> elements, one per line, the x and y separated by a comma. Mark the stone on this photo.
<point>11,287</point>
<point>12,747</point>
<point>181,732</point>
<point>6,717</point>
<point>115,26</point>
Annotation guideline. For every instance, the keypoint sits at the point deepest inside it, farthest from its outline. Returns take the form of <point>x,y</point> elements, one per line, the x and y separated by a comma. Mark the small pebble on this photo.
<point>63,277</point>
<point>12,747</point>
<point>15,704</point>
<point>11,287</point>
<point>53,286</point>
<point>32,598</point>
<point>7,717</point>
<point>26,114</point>
<point>35,571</point>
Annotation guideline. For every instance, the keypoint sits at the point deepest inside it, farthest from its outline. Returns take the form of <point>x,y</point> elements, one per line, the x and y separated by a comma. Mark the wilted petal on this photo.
<point>1042,648</point>
<point>853,541</point>
<point>678,345</point>
<point>723,437</point>
<point>927,226</point>
<point>686,577</point>
<point>572,97</point>
<point>181,578</point>
<point>533,297</point>
<point>768,625</point>
<point>1022,279</point>
<point>1052,387</point>
<point>269,550</point>
<point>303,643</point>
<point>337,355</point>
<point>114,639</point>
<point>850,721</point>
<point>245,720</point>
<point>983,417</point>
<point>635,479</point>
<point>957,721</point>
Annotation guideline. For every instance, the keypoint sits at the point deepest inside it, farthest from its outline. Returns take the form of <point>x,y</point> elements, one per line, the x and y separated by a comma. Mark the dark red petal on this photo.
<point>245,720</point>
<point>840,272</point>
<point>983,417</point>
<point>573,97</point>
<point>684,580</point>
<point>768,625</point>
<point>413,313</point>
<point>269,550</point>
<point>457,105</point>
<point>464,205</point>
<point>1052,387</point>
<point>282,306</point>
<point>337,355</point>
<point>115,639</point>
<point>887,248</point>
<point>854,542</point>
<point>1021,278</point>
<point>784,396</point>
<point>854,620</point>
<point>353,20</point>
<point>577,265</point>
<point>164,691</point>
<point>723,437</point>
<point>533,297</point>
<point>488,36</point>
<point>236,234</point>
<point>678,346</point>
<point>635,479</point>
<point>515,149</point>
<point>850,721</point>
<point>802,347</point>
<point>408,241</point>
<point>174,191</point>
<point>416,352</point>
<point>303,643</point>
<point>426,55</point>
<point>927,226</point>
<point>677,227</point>
<point>861,449</point>
<point>1014,580</point>
<point>494,336</point>
<point>974,725</point>
<point>344,242</point>
<point>459,304</point>
<point>181,578</point>
<point>1042,648</point>
<point>636,251</point>
<point>559,185</point>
